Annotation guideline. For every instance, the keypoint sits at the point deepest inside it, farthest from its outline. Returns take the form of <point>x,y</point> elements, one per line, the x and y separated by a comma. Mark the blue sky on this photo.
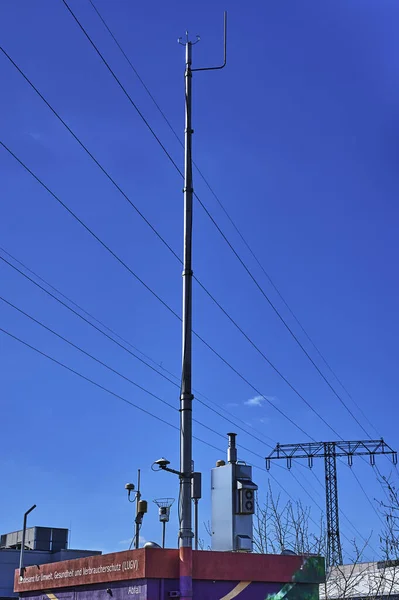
<point>298,138</point>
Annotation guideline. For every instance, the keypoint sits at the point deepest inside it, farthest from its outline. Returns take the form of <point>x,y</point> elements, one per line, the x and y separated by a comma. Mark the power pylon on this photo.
<point>329,451</point>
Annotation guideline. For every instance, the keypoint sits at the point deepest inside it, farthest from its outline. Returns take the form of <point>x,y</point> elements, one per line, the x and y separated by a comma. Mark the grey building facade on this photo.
<point>42,545</point>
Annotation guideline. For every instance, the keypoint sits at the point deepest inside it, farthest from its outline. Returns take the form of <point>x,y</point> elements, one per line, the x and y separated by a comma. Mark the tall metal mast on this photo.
<point>329,451</point>
<point>186,395</point>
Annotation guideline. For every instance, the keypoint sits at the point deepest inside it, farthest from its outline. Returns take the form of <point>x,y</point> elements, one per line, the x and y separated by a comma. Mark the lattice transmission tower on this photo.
<point>330,451</point>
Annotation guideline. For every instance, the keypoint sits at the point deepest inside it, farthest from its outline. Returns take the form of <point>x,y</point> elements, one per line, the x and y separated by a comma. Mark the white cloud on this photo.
<point>260,400</point>
<point>255,401</point>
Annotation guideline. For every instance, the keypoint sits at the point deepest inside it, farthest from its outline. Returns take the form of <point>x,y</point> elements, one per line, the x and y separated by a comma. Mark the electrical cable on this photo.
<point>99,330</point>
<point>71,370</point>
<point>124,264</point>
<point>293,500</point>
<point>110,338</point>
<point>87,321</point>
<point>169,247</point>
<point>103,388</point>
<point>232,249</point>
<point>98,239</point>
<point>380,480</point>
<point>269,362</point>
<point>122,87</point>
<point>364,493</point>
<point>126,349</point>
<point>87,228</point>
<point>323,511</point>
<point>368,499</point>
<point>124,194</point>
<point>246,268</point>
<point>237,256</point>
<point>280,316</point>
<point>145,285</point>
<point>117,335</point>
<point>140,281</point>
<point>155,396</point>
<point>361,487</point>
<point>121,375</point>
<point>220,203</point>
<point>105,365</point>
<point>138,75</point>
<point>85,148</point>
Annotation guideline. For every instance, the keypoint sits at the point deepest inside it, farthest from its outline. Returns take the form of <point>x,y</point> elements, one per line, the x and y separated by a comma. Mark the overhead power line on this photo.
<point>99,386</point>
<point>232,421</point>
<point>307,492</point>
<point>230,245</point>
<point>124,264</point>
<point>174,254</point>
<point>283,488</point>
<point>210,295</point>
<point>155,396</point>
<point>154,369</point>
<point>275,369</point>
<point>179,259</point>
<point>118,373</point>
<point>119,397</point>
<point>147,287</point>
<point>71,370</point>
<point>138,76</point>
<point>140,280</point>
<point>281,317</point>
<point>90,231</point>
<point>368,498</point>
<point>79,307</point>
<point>144,218</point>
<point>136,108</point>
<point>231,220</point>
<point>85,148</point>
<point>329,451</point>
